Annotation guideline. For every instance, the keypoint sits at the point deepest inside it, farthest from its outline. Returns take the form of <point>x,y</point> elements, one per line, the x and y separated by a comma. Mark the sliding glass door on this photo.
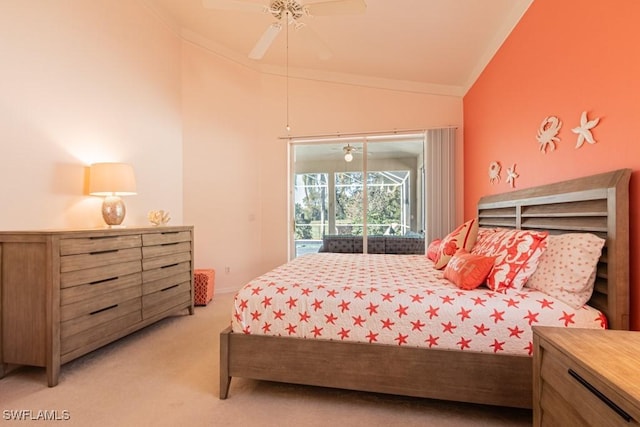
<point>311,206</point>
<point>351,191</point>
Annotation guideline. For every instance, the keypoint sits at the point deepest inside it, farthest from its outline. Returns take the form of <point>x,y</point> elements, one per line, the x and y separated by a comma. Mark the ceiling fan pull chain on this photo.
<point>287,76</point>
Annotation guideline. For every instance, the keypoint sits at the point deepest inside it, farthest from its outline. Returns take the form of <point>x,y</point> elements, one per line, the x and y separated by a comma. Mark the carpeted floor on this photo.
<point>167,375</point>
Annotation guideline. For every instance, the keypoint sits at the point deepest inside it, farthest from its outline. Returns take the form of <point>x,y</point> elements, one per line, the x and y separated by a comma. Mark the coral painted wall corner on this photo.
<point>561,59</point>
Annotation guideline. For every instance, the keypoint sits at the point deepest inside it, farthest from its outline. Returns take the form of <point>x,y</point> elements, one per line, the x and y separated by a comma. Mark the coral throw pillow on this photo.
<point>432,250</point>
<point>517,253</point>
<point>462,237</point>
<point>468,271</point>
<point>567,268</point>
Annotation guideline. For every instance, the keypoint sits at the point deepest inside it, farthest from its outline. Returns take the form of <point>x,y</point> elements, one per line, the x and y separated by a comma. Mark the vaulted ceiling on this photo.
<point>430,46</point>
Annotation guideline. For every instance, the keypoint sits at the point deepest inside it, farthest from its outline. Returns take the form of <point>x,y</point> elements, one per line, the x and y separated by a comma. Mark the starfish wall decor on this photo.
<point>512,175</point>
<point>584,130</point>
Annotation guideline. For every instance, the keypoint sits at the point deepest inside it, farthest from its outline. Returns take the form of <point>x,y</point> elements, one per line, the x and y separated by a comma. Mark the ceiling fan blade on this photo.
<point>265,41</point>
<point>336,7</point>
<point>312,40</point>
<point>243,6</point>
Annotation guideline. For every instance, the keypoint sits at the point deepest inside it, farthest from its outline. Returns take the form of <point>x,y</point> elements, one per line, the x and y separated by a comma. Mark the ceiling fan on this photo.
<point>290,10</point>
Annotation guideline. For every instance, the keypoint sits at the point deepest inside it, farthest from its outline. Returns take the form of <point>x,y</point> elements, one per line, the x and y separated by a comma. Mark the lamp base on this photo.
<point>113,210</point>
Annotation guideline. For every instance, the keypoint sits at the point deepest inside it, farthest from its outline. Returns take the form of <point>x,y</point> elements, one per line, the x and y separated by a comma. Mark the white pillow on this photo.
<point>567,268</point>
<point>462,237</point>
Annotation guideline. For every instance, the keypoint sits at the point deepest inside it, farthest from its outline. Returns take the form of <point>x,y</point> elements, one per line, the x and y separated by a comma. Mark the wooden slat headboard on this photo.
<point>597,204</point>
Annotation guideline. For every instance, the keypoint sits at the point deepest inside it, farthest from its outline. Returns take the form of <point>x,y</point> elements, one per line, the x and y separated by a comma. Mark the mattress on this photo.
<point>396,300</point>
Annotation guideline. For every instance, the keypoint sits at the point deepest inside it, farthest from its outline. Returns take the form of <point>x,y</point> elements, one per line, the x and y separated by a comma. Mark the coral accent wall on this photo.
<point>562,58</point>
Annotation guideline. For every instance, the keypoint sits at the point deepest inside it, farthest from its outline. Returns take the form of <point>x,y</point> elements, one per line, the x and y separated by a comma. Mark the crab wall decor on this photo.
<point>584,130</point>
<point>494,172</point>
<point>548,133</point>
<point>512,175</point>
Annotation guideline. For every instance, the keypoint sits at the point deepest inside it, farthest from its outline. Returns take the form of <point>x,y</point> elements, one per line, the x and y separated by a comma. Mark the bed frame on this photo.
<point>598,204</point>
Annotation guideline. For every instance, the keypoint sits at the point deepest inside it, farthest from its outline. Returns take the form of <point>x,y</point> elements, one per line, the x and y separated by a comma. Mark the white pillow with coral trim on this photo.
<point>463,237</point>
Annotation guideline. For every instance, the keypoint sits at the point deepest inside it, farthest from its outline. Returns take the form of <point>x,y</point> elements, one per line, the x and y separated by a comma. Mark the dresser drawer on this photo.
<point>85,245</point>
<point>165,237</point>
<point>166,249</point>
<point>99,274</point>
<point>165,261</point>
<point>167,299</point>
<point>95,290</point>
<point>97,259</point>
<point>166,282</point>
<point>89,321</point>
<point>93,328</point>
<point>149,276</point>
<point>125,290</point>
<point>572,395</point>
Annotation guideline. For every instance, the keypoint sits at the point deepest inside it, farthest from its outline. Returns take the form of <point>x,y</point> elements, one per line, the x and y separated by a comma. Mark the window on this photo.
<point>311,214</point>
<point>378,192</point>
<point>388,202</point>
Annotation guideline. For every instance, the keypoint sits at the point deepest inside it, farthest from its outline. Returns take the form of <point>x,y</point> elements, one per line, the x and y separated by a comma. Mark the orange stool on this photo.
<point>203,283</point>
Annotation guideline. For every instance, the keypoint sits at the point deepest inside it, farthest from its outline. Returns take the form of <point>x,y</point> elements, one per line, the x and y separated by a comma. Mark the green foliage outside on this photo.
<point>313,211</point>
<point>384,204</point>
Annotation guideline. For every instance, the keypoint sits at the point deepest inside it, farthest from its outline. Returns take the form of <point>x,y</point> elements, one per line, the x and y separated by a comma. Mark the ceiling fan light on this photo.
<point>348,153</point>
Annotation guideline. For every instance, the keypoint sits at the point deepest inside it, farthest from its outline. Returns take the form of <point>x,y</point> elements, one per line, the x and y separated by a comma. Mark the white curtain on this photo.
<point>440,197</point>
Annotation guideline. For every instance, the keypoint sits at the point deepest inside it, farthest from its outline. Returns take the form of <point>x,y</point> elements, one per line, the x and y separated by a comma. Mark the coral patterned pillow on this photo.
<point>462,237</point>
<point>484,233</point>
<point>432,250</point>
<point>517,253</point>
<point>468,271</point>
<point>567,267</point>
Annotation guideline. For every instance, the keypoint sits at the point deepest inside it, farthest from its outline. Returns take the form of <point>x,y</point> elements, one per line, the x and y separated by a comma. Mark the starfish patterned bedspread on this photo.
<point>397,300</point>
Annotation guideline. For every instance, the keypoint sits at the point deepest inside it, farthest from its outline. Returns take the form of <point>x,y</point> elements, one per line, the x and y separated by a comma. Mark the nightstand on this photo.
<point>586,377</point>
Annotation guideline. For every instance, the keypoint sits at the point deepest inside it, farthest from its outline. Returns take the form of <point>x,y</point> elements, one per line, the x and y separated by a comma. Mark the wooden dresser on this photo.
<point>584,377</point>
<point>65,293</point>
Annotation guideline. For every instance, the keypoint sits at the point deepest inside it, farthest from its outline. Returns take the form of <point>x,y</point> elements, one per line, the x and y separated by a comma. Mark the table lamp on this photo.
<point>112,180</point>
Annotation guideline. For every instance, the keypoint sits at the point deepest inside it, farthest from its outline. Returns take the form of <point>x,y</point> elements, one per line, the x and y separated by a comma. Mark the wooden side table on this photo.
<point>586,377</point>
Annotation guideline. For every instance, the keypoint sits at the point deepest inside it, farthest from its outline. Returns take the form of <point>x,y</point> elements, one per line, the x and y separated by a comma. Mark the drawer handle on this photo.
<point>170,244</point>
<point>110,251</point>
<point>103,309</point>
<point>170,287</point>
<point>169,232</point>
<point>170,265</point>
<point>600,396</point>
<point>102,237</point>
<point>97,282</point>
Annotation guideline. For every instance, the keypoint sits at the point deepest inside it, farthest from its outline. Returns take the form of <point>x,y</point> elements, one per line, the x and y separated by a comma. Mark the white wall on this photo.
<point>236,157</point>
<point>80,82</point>
<point>222,186</point>
<point>100,80</point>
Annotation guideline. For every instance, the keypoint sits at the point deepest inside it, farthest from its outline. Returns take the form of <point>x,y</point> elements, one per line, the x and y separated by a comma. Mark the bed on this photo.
<point>596,204</point>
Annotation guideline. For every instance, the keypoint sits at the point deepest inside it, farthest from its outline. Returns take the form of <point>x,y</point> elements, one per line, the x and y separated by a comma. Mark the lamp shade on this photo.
<point>111,179</point>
